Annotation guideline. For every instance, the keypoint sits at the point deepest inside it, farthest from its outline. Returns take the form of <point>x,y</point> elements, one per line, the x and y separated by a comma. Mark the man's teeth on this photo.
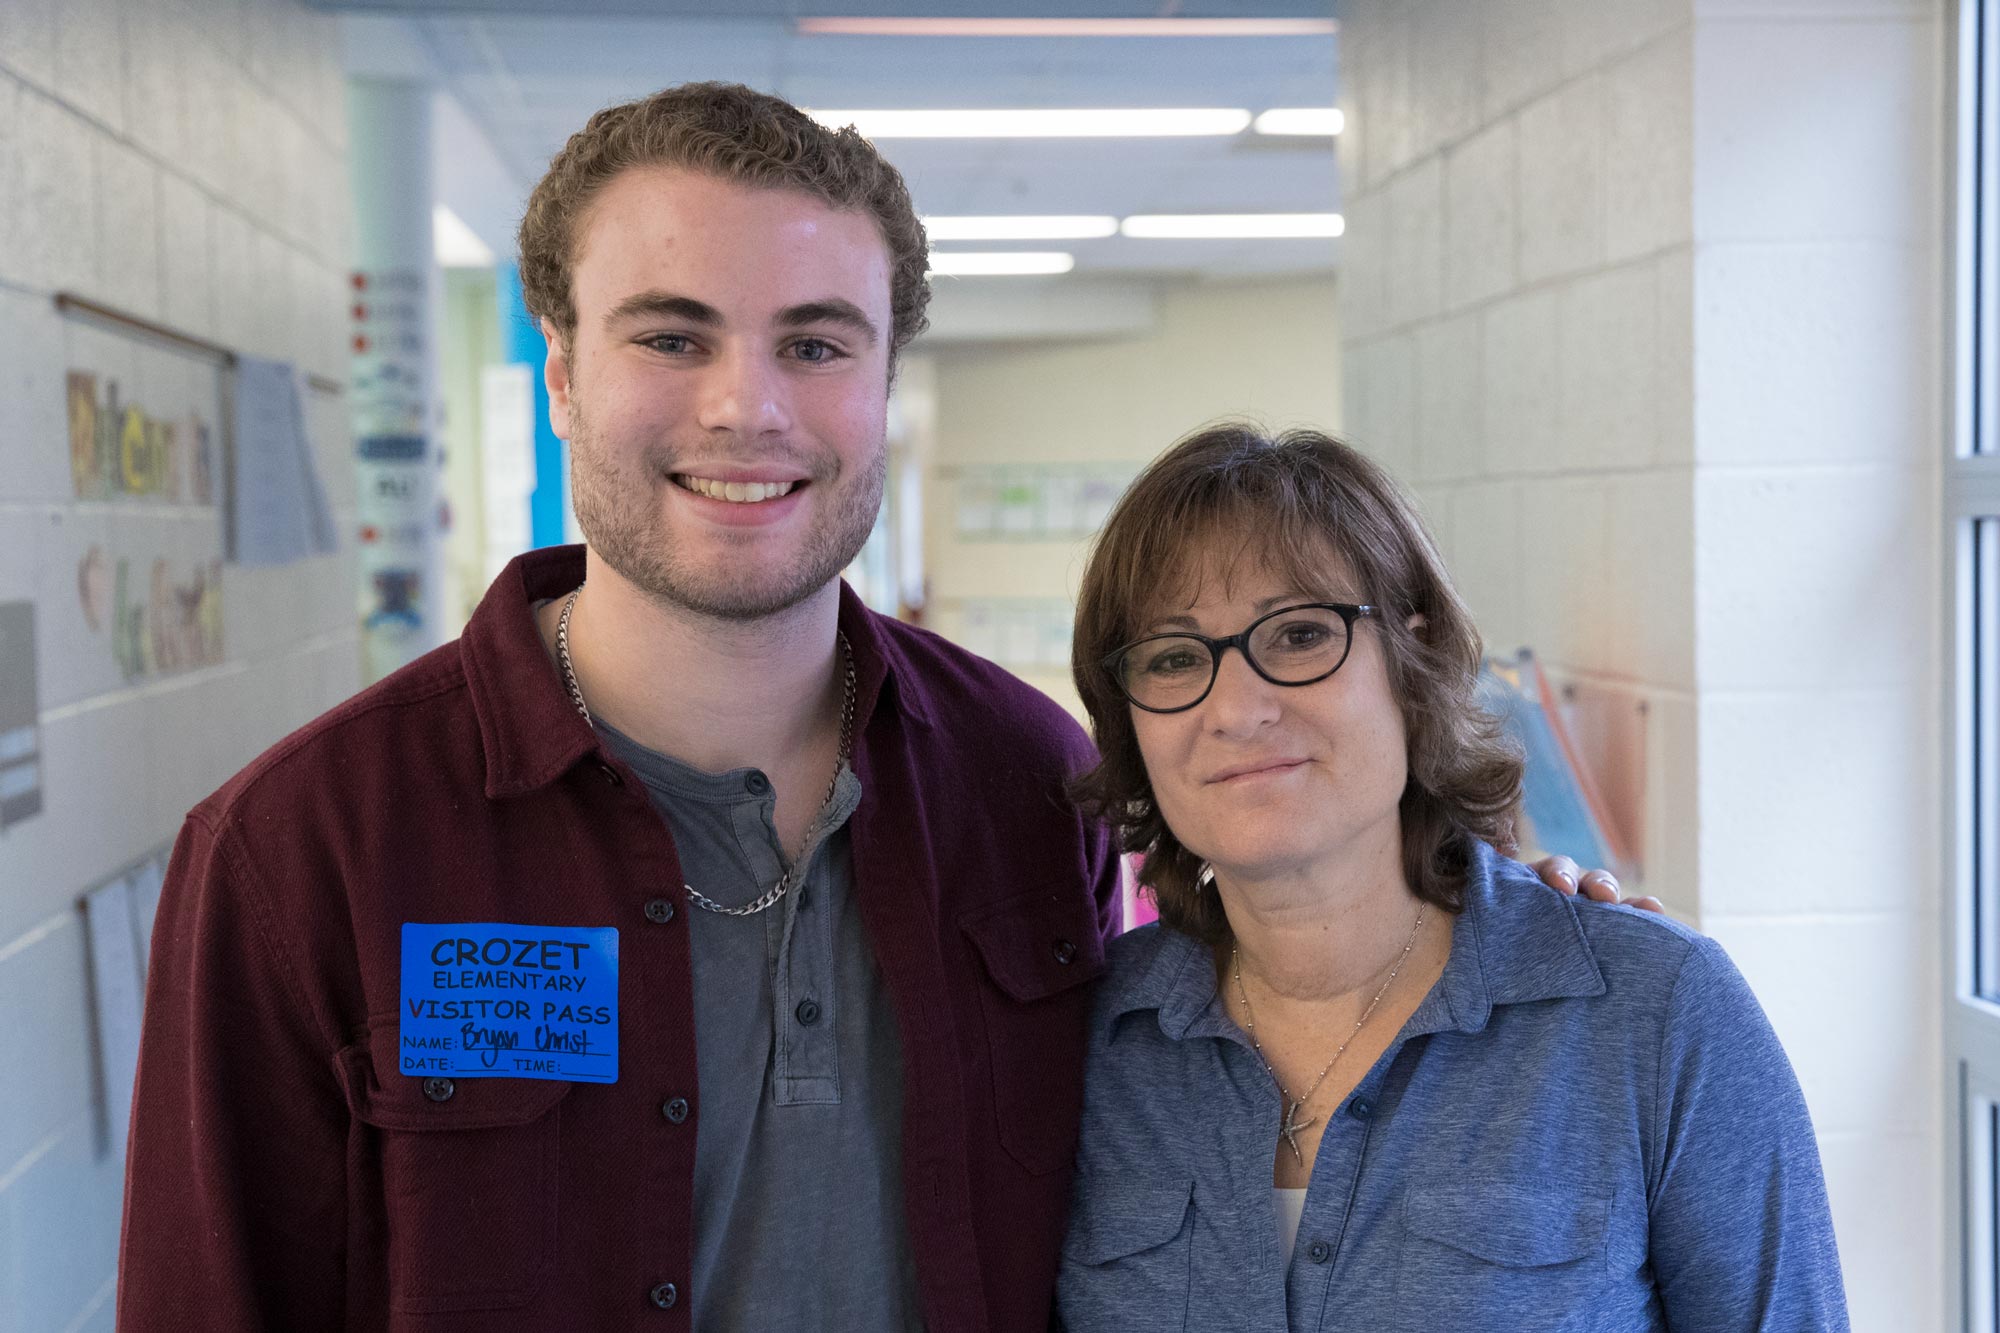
<point>740,492</point>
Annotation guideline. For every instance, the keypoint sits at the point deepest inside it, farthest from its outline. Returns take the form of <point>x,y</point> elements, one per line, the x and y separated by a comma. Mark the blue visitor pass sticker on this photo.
<point>483,999</point>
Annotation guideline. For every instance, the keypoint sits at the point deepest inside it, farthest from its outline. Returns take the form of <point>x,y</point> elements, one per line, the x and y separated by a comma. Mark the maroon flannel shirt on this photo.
<point>284,1175</point>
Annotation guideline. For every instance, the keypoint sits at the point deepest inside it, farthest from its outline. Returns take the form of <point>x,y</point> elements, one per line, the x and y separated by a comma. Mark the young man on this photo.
<point>685,945</point>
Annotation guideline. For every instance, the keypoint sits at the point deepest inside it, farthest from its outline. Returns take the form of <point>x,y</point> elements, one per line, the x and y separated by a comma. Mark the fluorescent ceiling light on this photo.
<point>1042,123</point>
<point>1020,228</point>
<point>1317,120</point>
<point>991,263</point>
<point>1059,27</point>
<point>455,244</point>
<point>1233,226</point>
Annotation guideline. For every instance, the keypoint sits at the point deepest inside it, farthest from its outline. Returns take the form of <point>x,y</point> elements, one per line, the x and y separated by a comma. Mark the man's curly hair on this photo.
<point>737,134</point>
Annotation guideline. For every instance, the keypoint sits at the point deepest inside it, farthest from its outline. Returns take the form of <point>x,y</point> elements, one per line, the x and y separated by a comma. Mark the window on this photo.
<point>1972,520</point>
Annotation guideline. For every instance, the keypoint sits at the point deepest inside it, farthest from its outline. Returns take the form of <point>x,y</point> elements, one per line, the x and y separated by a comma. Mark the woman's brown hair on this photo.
<point>1313,509</point>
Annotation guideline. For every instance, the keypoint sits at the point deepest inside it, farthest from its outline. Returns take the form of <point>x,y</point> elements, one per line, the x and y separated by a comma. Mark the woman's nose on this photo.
<point>1240,701</point>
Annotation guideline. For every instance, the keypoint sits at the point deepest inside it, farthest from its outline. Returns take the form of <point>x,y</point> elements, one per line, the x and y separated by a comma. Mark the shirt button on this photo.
<point>675,1110</point>
<point>1065,952</point>
<point>756,784</point>
<point>1361,1108</point>
<point>1318,1251</point>
<point>439,1089</point>
<point>610,775</point>
<point>659,911</point>
<point>808,1012</point>
<point>666,1295</point>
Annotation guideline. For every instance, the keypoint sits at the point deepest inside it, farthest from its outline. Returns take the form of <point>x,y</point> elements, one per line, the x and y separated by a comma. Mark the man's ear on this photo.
<point>556,374</point>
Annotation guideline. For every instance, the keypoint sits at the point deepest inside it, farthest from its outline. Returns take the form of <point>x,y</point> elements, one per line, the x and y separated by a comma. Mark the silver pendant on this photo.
<point>1289,1131</point>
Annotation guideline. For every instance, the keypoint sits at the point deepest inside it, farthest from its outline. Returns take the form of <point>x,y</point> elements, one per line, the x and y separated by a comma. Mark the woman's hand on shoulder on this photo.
<point>1600,886</point>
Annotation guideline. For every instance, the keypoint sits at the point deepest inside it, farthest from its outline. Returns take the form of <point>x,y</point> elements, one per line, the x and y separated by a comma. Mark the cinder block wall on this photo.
<point>187,162</point>
<point>1645,298</point>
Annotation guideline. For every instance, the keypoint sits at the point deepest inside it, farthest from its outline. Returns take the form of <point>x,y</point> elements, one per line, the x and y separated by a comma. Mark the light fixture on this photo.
<point>1043,123</point>
<point>454,244</point>
<point>1233,226</point>
<point>1060,27</point>
<point>1323,121</point>
<point>1019,228</point>
<point>1001,263</point>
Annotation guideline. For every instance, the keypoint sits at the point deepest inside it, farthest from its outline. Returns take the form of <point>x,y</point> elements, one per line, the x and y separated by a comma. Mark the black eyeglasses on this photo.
<point>1294,645</point>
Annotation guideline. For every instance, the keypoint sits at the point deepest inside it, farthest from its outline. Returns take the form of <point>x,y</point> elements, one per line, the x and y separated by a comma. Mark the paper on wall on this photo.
<point>278,508</point>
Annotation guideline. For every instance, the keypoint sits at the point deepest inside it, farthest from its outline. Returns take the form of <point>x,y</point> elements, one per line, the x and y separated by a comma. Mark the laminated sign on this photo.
<point>485,999</point>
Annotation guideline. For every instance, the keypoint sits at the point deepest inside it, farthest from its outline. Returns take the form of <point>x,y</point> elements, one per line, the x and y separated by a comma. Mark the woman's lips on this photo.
<point>1252,772</point>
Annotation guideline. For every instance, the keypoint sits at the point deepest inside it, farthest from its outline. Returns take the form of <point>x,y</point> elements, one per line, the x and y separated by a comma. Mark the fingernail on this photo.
<point>1567,878</point>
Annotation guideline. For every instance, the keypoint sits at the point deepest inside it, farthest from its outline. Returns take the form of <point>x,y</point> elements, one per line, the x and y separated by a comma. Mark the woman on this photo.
<point>1365,1074</point>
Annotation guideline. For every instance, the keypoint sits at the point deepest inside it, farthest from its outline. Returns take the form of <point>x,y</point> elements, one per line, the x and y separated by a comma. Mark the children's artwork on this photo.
<point>123,448</point>
<point>147,455</point>
<point>167,619</point>
<point>1038,501</point>
<point>1021,502</point>
<point>1564,809</point>
<point>978,502</point>
<point>20,716</point>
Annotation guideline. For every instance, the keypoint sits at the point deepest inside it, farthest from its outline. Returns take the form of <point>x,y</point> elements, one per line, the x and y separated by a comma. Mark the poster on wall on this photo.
<point>20,716</point>
<point>145,541</point>
<point>1038,501</point>
<point>400,514</point>
<point>118,920</point>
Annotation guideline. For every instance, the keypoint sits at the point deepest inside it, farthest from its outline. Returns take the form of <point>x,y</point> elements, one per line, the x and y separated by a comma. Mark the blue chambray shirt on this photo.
<point>1587,1124</point>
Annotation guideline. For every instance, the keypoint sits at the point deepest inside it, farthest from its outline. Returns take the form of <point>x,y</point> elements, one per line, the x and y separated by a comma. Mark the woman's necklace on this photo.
<point>1289,1130</point>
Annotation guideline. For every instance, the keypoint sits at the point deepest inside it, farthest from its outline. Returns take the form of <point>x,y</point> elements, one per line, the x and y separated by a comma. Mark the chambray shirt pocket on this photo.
<point>1506,1255</point>
<point>1128,1258</point>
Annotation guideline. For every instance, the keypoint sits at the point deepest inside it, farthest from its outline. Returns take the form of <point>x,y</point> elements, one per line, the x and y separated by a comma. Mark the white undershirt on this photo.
<point>1290,1205</point>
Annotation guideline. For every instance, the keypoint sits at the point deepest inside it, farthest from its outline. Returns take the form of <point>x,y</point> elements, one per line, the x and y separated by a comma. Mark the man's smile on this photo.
<point>736,492</point>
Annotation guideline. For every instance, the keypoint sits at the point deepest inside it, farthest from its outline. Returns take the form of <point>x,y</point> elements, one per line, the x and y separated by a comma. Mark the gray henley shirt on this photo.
<point>798,1190</point>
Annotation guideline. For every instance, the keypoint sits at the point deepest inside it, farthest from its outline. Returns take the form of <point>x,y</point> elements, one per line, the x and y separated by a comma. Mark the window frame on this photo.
<point>1971,617</point>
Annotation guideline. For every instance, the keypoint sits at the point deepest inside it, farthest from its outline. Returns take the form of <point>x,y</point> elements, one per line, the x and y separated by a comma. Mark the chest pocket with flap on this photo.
<point>1476,1255</point>
<point>1038,951</point>
<point>468,1181</point>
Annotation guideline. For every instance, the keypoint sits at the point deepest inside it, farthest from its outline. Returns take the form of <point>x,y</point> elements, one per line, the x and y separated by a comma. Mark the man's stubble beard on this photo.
<point>621,520</point>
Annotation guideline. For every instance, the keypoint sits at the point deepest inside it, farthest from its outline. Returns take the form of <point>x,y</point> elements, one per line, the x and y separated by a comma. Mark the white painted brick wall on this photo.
<point>186,160</point>
<point>1675,415</point>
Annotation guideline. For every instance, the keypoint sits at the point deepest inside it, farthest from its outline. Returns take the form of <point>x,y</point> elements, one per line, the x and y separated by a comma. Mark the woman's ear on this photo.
<point>1415,624</point>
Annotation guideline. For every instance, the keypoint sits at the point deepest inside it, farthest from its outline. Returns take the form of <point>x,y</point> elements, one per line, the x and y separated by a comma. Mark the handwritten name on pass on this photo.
<point>484,999</point>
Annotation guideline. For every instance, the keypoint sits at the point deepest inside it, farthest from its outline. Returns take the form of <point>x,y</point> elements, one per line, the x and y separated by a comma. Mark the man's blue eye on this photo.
<point>813,350</point>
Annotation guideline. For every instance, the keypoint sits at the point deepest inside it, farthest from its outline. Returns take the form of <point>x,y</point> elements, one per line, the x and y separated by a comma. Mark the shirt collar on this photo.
<point>1517,941</point>
<point>529,728</point>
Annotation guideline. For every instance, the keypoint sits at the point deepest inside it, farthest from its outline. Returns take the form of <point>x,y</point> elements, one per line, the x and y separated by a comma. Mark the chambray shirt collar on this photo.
<point>529,729</point>
<point>1516,942</point>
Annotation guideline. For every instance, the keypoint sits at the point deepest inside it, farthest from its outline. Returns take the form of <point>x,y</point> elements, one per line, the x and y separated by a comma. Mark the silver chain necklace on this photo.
<point>1289,1130</point>
<point>784,883</point>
